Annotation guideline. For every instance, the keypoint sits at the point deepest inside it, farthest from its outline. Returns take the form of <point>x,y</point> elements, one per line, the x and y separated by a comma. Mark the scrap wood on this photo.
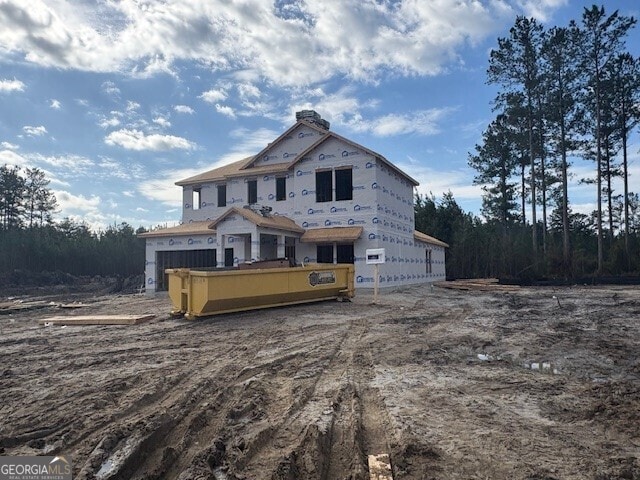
<point>72,305</point>
<point>480,284</point>
<point>380,467</point>
<point>9,307</point>
<point>97,320</point>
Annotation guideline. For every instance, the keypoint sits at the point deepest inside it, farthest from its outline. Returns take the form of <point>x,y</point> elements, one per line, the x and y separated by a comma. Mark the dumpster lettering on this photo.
<point>322,278</point>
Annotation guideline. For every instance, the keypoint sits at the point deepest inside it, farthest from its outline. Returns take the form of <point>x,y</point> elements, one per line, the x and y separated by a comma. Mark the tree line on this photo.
<point>565,94</point>
<point>31,241</point>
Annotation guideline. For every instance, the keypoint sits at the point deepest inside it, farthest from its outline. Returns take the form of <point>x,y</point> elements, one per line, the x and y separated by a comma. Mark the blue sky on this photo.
<point>117,100</point>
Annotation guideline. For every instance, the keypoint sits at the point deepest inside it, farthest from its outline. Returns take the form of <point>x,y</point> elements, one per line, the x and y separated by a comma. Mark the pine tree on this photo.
<point>602,41</point>
<point>560,51</point>
<point>516,66</point>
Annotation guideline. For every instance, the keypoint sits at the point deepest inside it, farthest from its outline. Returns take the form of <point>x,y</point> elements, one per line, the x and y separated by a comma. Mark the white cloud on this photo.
<point>225,110</point>
<point>248,90</point>
<point>440,181</point>
<point>70,203</point>
<point>34,131</point>
<point>11,85</point>
<point>9,146</point>
<point>132,106</point>
<point>163,122</point>
<point>213,95</point>
<point>183,109</point>
<point>73,163</point>
<point>137,140</point>
<point>128,193</point>
<point>540,9</point>
<point>55,104</point>
<point>255,38</point>
<point>9,157</point>
<point>110,89</point>
<point>163,189</point>
<point>109,122</point>
<point>424,122</point>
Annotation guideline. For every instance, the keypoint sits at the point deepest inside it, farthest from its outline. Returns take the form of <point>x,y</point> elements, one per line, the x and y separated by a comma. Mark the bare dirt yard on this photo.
<point>451,384</point>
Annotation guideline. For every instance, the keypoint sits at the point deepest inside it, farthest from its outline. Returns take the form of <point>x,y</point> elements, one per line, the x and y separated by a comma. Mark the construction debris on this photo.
<point>97,320</point>
<point>19,305</point>
<point>380,467</point>
<point>478,284</point>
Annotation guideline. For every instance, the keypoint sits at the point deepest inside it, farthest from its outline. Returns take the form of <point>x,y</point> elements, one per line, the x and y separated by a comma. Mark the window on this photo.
<point>252,191</point>
<point>344,253</point>
<point>344,184</point>
<point>323,186</point>
<point>222,195</point>
<point>195,198</point>
<point>428,261</point>
<point>324,254</point>
<point>281,188</point>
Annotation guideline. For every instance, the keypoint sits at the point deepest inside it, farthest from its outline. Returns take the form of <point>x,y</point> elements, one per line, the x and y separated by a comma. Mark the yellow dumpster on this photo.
<point>200,293</point>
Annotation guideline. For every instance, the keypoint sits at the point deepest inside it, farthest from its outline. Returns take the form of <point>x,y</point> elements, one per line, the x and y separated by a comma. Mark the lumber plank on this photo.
<point>97,320</point>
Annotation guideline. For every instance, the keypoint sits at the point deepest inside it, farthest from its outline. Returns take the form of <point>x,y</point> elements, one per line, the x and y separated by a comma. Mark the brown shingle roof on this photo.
<point>191,228</point>
<point>331,234</point>
<point>423,237</point>
<point>277,222</point>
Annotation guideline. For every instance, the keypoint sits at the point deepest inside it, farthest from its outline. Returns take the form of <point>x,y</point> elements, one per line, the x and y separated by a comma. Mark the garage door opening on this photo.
<point>181,259</point>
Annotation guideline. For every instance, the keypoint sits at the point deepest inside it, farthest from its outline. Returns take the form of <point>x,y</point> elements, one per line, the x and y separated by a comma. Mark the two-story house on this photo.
<point>311,195</point>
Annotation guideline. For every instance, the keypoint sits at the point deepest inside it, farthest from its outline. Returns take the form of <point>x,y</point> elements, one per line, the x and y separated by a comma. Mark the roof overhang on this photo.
<point>191,228</point>
<point>423,237</point>
<point>331,234</point>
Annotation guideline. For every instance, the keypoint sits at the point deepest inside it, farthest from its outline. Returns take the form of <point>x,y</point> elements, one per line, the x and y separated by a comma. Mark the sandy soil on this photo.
<point>451,384</point>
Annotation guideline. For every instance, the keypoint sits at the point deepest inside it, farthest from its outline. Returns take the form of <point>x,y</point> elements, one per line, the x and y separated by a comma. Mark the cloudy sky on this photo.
<point>117,100</point>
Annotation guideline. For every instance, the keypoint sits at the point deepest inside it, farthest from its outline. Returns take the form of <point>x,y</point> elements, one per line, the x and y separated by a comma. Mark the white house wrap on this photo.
<point>310,196</point>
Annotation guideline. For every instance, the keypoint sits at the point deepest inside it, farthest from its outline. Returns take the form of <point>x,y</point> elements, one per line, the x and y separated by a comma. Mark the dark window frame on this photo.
<point>324,186</point>
<point>323,251</point>
<point>344,183</point>
<point>345,253</point>
<point>281,188</point>
<point>222,195</point>
<point>252,191</point>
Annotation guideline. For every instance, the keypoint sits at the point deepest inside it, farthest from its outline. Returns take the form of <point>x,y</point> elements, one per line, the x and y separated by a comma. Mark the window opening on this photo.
<point>222,195</point>
<point>344,253</point>
<point>252,191</point>
<point>344,184</point>
<point>281,188</point>
<point>323,186</point>
<point>196,198</point>
<point>324,253</point>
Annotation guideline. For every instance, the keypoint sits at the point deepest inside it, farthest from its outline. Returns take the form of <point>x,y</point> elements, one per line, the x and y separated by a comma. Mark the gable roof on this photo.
<point>244,167</point>
<point>330,134</point>
<point>423,237</point>
<point>276,222</point>
<point>191,228</point>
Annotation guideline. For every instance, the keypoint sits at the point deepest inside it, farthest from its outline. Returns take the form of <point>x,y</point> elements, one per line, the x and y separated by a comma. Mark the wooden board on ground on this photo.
<point>380,467</point>
<point>72,305</point>
<point>481,284</point>
<point>97,320</point>
<point>10,307</point>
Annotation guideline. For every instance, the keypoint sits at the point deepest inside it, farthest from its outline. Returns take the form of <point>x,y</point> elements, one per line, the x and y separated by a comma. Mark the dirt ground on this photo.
<point>451,384</point>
